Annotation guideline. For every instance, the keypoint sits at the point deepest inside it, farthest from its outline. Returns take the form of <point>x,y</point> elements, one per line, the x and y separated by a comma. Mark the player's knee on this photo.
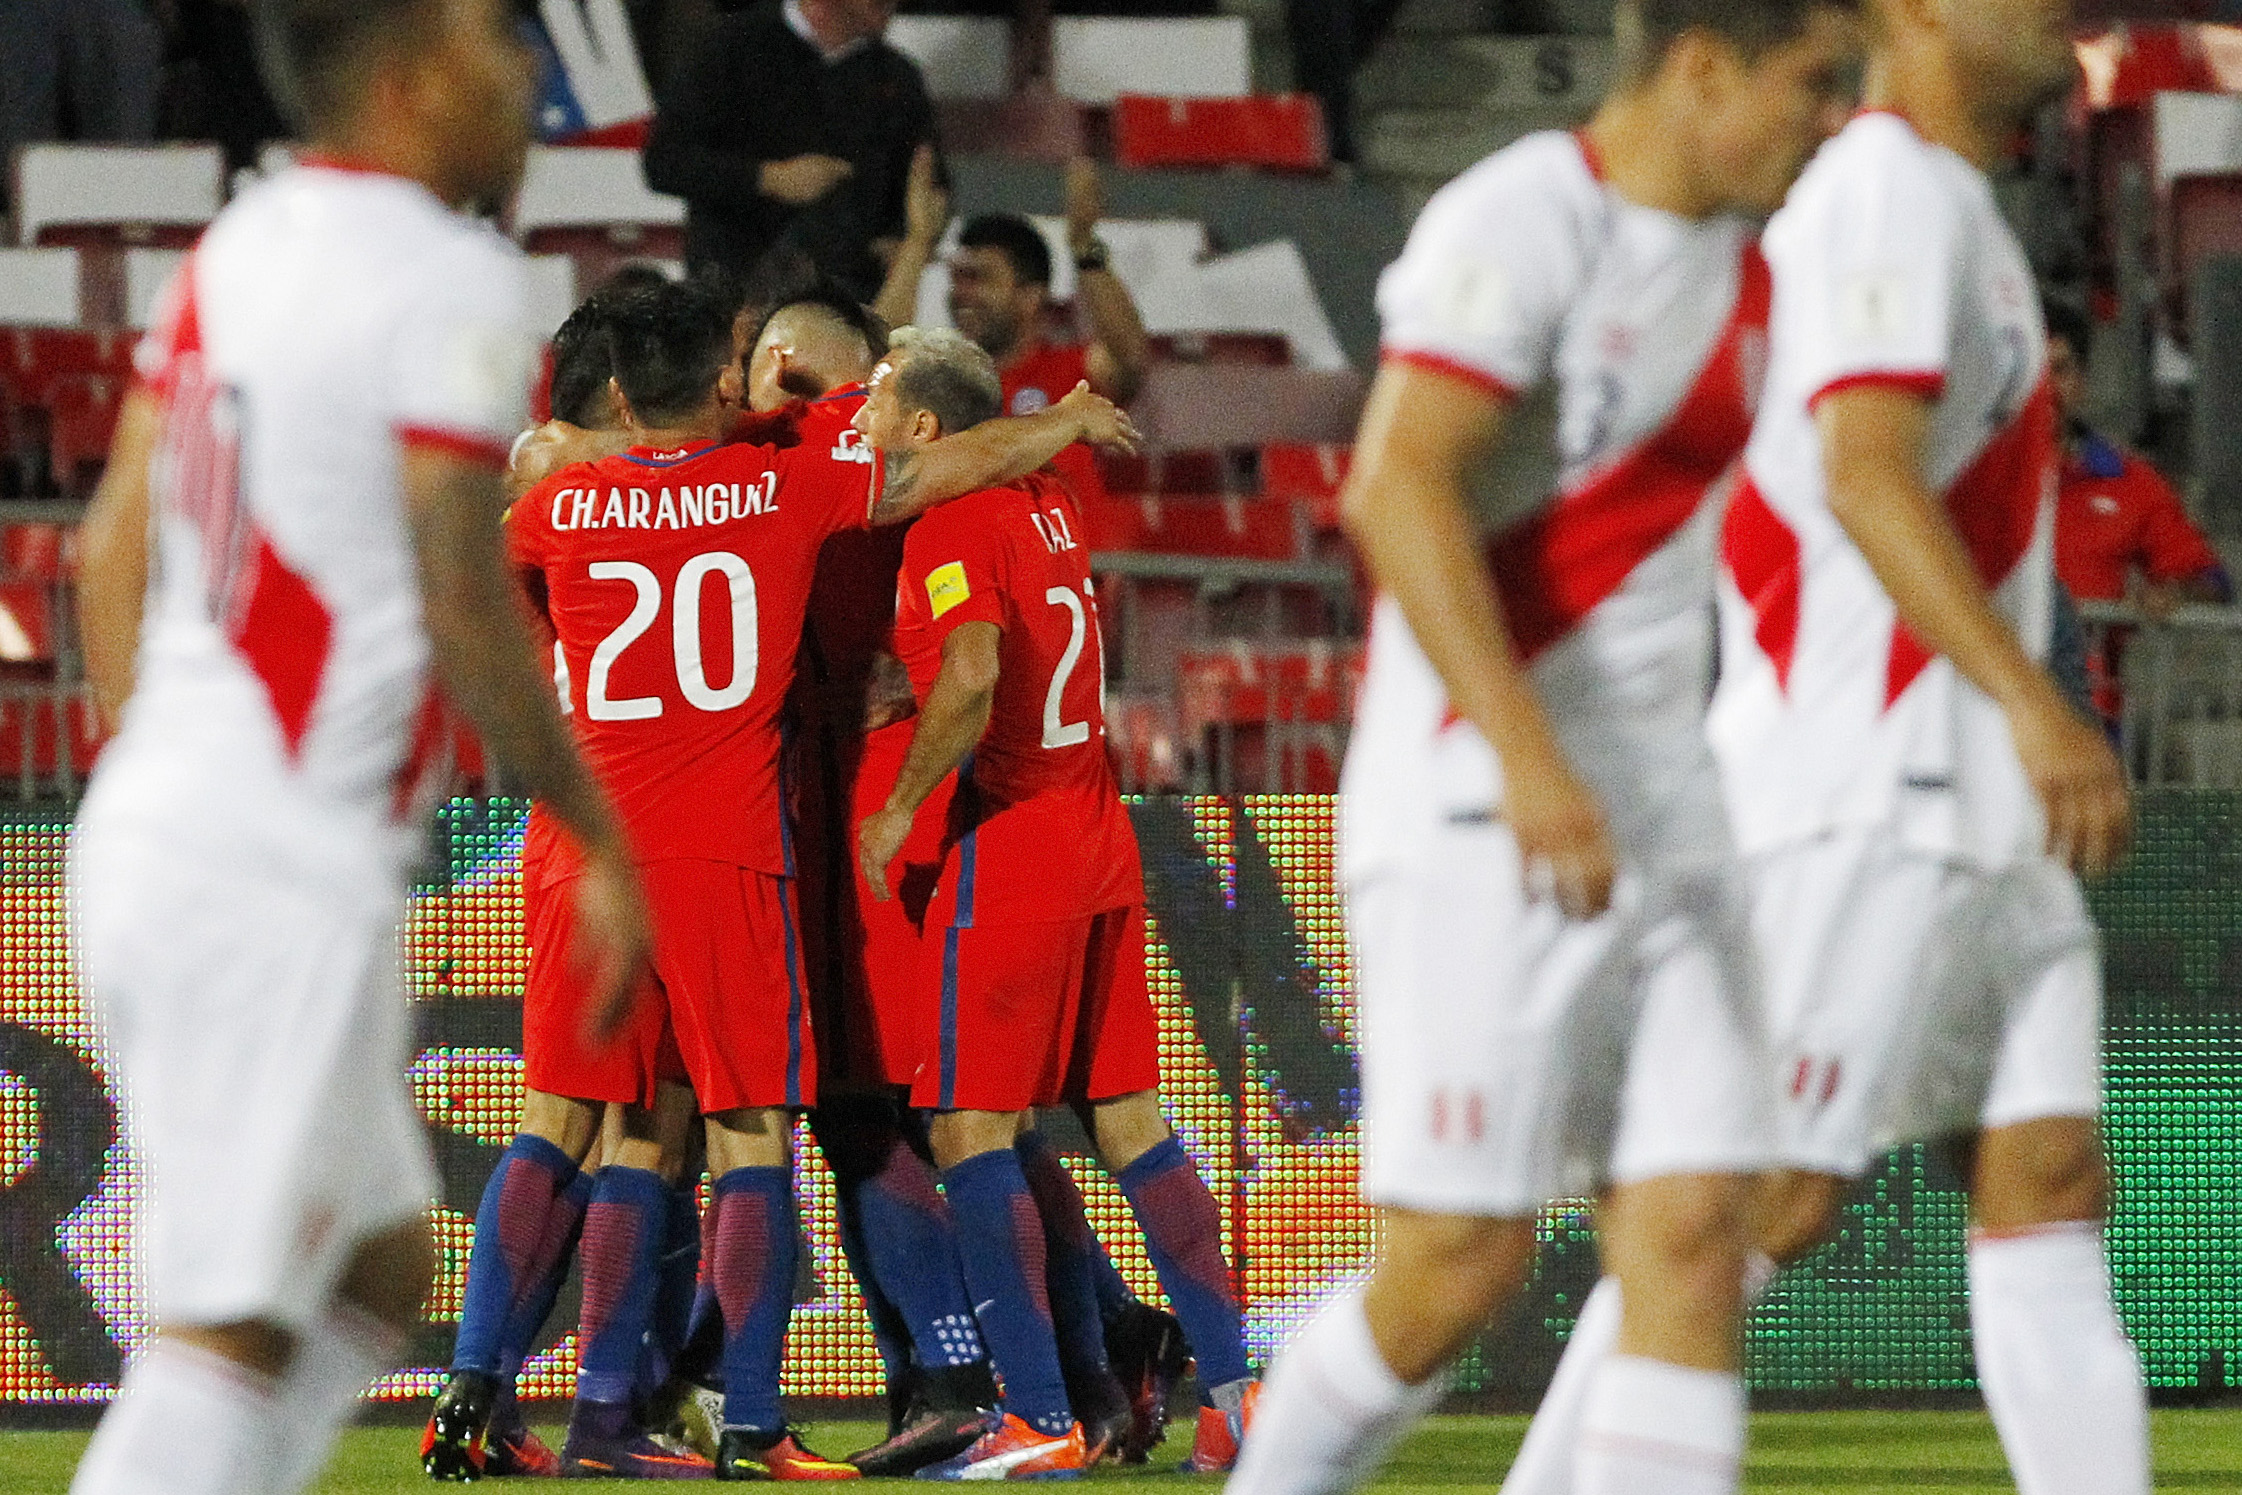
<point>2041,1172</point>
<point>1127,1127</point>
<point>1465,1267</point>
<point>1684,1235</point>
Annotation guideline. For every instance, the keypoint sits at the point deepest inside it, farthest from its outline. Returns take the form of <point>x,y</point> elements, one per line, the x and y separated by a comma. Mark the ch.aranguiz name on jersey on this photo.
<point>683,506</point>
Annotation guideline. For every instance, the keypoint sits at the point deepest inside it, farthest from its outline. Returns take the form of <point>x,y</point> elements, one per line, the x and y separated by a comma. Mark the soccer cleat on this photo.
<point>1149,1356</point>
<point>634,1455</point>
<point>743,1453</point>
<point>1010,1449</point>
<point>452,1447</point>
<point>1215,1449</point>
<point>928,1436</point>
<point>1108,1418</point>
<point>518,1453</point>
<point>699,1421</point>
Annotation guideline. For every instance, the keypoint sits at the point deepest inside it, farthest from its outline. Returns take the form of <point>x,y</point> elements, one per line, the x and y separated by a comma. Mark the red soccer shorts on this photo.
<point>556,1056</point>
<point>1039,1014</point>
<point>727,956</point>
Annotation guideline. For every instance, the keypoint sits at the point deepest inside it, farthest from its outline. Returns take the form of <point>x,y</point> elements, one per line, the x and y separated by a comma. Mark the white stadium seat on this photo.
<point>569,187</point>
<point>147,272</point>
<point>1095,59</point>
<point>131,193</point>
<point>39,287</point>
<point>962,57</point>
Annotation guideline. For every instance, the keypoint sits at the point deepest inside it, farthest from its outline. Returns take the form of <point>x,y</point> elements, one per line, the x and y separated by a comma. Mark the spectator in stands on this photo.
<point>789,130</point>
<point>215,91</point>
<point>2116,517</point>
<point>91,65</point>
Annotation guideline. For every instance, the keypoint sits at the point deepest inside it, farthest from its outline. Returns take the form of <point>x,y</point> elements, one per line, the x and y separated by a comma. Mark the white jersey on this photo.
<point>1892,267</point>
<point>283,711</point>
<point>1533,278</point>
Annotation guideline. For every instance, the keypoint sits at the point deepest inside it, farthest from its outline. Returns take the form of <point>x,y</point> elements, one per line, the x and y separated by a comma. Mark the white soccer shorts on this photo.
<point>1909,997</point>
<point>1511,1056</point>
<point>259,1030</point>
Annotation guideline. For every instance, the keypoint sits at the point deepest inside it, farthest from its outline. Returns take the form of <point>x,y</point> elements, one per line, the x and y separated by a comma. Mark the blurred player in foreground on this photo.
<point>1035,994</point>
<point>681,726</point>
<point>323,476</point>
<point>1557,992</point>
<point>1911,788</point>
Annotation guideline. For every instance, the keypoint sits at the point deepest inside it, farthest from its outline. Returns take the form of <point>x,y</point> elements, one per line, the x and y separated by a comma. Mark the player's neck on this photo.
<point>1925,91</point>
<point>1646,158</point>
<point>376,146</point>
<point>671,438</point>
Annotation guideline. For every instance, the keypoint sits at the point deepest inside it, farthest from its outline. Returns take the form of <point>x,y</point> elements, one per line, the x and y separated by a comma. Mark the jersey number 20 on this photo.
<point>685,636</point>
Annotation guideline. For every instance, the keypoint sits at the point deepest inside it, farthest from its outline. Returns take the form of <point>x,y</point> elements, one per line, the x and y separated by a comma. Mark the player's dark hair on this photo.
<point>941,370</point>
<point>2067,322</point>
<point>1012,236</point>
<point>1648,29</point>
<point>314,54</point>
<point>668,345</point>
<point>821,293</point>
<point>583,362</point>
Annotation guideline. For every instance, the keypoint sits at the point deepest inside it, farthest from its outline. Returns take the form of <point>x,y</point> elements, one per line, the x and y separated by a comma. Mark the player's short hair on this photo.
<point>945,372</point>
<point>1648,29</point>
<point>667,346</point>
<point>2067,322</point>
<point>315,54</point>
<point>1012,236</point>
<point>826,297</point>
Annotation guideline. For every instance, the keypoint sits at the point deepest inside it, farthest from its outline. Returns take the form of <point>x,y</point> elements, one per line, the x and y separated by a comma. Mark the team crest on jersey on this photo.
<point>850,447</point>
<point>1028,401</point>
<point>946,587</point>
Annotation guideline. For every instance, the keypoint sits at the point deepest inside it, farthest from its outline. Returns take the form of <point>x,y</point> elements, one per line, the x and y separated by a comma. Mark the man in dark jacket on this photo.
<point>789,128</point>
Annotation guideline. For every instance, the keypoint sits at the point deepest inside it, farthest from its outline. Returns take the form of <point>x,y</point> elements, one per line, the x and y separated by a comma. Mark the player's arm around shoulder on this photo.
<point>910,481</point>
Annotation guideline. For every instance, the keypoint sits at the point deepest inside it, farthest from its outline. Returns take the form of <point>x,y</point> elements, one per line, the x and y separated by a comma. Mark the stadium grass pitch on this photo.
<point>1799,1453</point>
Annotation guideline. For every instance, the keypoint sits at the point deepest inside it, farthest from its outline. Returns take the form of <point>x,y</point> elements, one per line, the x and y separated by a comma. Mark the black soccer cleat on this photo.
<point>452,1447</point>
<point>1149,1355</point>
<point>928,1436</point>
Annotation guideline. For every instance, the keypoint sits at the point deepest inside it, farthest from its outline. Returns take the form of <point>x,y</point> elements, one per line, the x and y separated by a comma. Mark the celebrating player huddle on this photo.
<point>1696,920</point>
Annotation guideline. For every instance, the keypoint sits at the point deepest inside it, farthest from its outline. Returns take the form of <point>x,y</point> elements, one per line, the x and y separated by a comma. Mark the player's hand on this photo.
<point>2079,781</point>
<point>879,841</point>
<point>613,941</point>
<point>1564,850</point>
<point>1099,421</point>
<point>1085,202</point>
<point>926,202</point>
<point>798,180</point>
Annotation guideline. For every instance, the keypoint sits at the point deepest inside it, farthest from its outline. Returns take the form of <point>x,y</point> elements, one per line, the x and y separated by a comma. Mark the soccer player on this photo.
<point>677,696</point>
<point>1554,969</point>
<point>321,472</point>
<point>1911,788</point>
<point>1035,993</point>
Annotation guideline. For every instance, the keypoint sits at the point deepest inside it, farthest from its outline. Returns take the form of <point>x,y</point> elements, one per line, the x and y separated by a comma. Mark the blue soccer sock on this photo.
<point>622,1239</point>
<point>676,1276</point>
<point>1183,1235</point>
<point>1001,1239</point>
<point>1073,1249</point>
<point>907,1236</point>
<point>524,1226</point>
<point>753,1274</point>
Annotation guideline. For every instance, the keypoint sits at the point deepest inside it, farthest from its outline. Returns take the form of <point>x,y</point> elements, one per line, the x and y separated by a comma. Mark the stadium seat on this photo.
<point>82,416</point>
<point>960,57</point>
<point>1269,349</point>
<point>1229,526</point>
<point>37,553</point>
<point>113,195</point>
<point>1271,718</point>
<point>2205,218</point>
<point>1142,732</point>
<point>49,738</point>
<point>1202,473</point>
<point>27,634</point>
<point>1274,132</point>
<point>1097,59</point>
<point>35,360</point>
<point>593,205</point>
<point>1228,404</point>
<point>1308,473</point>
<point>40,287</point>
<point>147,272</point>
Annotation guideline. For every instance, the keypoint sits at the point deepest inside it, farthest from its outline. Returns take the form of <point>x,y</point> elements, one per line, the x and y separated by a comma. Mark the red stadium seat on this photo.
<point>49,738</point>
<point>37,553</point>
<point>1271,717</point>
<point>1277,132</point>
<point>1201,472</point>
<point>82,417</point>
<point>1308,473</point>
<point>33,360</point>
<point>26,625</point>
<point>1143,735</point>
<point>1230,527</point>
<point>1270,349</point>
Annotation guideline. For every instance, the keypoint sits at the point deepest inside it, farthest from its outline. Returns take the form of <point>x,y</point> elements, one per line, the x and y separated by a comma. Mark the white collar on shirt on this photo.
<point>798,22</point>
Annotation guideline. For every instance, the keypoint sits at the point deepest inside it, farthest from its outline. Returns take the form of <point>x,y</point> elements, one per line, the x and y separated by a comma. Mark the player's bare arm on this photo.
<point>484,658</point>
<point>926,213</point>
<point>951,723</point>
<point>1873,442</point>
<point>553,446</point>
<point>1119,349</point>
<point>997,451</point>
<point>113,557</point>
<point>1422,435</point>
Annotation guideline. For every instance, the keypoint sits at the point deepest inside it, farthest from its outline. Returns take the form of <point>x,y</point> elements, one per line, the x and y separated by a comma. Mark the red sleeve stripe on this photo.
<point>468,446</point>
<point>1924,384</point>
<point>1450,368</point>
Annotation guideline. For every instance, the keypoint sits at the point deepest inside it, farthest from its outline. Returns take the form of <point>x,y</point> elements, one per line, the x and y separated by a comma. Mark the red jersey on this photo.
<point>1037,830</point>
<point>2114,512</point>
<point>1038,379</point>
<point>676,583</point>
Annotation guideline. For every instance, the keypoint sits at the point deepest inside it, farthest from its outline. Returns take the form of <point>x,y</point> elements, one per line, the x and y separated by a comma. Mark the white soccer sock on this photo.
<point>335,1361</point>
<point>1330,1411</point>
<point>1544,1465</point>
<point>2060,1377</point>
<point>1650,1428</point>
<point>186,1421</point>
<point>1545,1460</point>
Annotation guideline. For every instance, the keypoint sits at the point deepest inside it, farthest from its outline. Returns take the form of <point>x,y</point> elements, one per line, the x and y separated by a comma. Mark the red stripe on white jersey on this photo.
<point>469,446</point>
<point>1553,568</point>
<point>1995,509</point>
<point>1449,368</point>
<point>286,633</point>
<point>1763,558</point>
